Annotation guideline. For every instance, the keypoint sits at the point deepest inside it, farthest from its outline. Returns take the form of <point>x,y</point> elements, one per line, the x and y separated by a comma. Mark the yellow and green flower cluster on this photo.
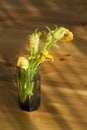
<point>30,62</point>
<point>35,57</point>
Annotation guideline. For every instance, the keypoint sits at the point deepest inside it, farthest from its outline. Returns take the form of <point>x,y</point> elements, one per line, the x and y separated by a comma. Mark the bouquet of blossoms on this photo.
<point>30,62</point>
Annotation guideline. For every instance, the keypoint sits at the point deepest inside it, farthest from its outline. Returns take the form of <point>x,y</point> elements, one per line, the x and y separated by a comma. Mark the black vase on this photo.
<point>30,102</point>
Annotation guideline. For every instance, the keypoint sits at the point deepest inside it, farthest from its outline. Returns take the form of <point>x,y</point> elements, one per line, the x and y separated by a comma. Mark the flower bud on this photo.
<point>33,42</point>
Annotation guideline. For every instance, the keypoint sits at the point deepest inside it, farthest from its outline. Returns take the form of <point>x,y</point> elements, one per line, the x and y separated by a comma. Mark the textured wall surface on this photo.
<point>26,13</point>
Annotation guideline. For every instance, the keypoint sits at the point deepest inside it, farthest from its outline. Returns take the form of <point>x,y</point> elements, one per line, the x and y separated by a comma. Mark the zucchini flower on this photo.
<point>23,63</point>
<point>33,43</point>
<point>45,56</point>
<point>58,34</point>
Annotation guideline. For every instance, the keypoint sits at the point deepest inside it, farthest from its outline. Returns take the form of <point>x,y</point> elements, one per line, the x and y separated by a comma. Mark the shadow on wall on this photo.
<point>27,13</point>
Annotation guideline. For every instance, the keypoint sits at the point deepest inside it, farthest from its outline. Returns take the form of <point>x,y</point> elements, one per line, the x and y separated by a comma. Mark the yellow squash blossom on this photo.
<point>46,56</point>
<point>33,40</point>
<point>62,34</point>
<point>23,63</point>
<point>58,34</point>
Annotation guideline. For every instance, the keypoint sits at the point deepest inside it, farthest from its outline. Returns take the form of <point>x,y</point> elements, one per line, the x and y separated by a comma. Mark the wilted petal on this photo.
<point>68,36</point>
<point>46,56</point>
<point>23,63</point>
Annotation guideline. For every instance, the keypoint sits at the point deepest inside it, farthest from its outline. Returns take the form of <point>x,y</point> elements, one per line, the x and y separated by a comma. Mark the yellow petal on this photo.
<point>46,56</point>
<point>22,62</point>
<point>31,44</point>
<point>43,58</point>
<point>50,57</point>
<point>69,37</point>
